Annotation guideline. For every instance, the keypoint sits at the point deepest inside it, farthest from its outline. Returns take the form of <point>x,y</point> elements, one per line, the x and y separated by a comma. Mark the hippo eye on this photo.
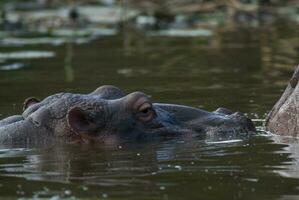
<point>145,112</point>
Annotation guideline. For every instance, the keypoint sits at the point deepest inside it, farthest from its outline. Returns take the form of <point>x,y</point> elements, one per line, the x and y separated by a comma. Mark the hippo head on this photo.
<point>105,113</point>
<point>108,114</point>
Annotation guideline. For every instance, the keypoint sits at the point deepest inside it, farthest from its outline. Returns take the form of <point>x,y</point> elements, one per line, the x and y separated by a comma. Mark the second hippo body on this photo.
<point>283,119</point>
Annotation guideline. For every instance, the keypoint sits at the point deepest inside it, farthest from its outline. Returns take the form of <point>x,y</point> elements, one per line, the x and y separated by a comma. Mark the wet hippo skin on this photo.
<point>283,119</point>
<point>108,114</point>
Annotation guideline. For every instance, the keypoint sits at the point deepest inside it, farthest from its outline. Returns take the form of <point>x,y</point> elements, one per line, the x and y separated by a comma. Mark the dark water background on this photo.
<point>241,68</point>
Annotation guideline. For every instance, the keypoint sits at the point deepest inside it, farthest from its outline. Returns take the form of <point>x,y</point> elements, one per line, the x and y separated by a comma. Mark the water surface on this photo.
<point>242,68</point>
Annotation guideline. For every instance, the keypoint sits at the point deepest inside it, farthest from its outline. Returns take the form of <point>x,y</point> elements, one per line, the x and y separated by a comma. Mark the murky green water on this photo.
<point>243,69</point>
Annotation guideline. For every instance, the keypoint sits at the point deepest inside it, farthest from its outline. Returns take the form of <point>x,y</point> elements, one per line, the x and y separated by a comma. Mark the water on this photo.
<point>243,69</point>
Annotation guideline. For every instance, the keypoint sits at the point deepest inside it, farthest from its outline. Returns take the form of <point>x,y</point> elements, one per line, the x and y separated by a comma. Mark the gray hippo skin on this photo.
<point>283,119</point>
<point>107,114</point>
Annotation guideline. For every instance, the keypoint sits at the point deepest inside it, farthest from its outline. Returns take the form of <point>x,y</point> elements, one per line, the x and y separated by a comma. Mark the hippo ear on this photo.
<point>80,121</point>
<point>29,102</point>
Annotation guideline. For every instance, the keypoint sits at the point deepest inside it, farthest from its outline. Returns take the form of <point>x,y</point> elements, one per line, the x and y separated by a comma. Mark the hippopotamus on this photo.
<point>283,119</point>
<point>108,114</point>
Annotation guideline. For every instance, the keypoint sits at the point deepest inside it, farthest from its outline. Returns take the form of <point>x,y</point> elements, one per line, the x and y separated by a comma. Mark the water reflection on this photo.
<point>26,55</point>
<point>233,170</point>
<point>293,147</point>
<point>69,72</point>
